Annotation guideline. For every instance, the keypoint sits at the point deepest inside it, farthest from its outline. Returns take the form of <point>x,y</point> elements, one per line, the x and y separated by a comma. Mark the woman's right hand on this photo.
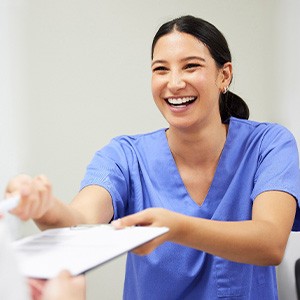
<point>35,196</point>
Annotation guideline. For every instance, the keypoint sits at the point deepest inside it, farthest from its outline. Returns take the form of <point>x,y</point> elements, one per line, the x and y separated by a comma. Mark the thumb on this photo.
<point>64,274</point>
<point>139,218</point>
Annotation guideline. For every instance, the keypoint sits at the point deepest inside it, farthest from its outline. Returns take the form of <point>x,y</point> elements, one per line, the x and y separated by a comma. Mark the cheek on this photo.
<point>206,84</point>
<point>198,79</point>
<point>157,90</point>
<point>156,87</point>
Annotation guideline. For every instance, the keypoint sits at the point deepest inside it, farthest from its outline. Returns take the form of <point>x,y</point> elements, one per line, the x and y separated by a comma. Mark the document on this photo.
<point>78,249</point>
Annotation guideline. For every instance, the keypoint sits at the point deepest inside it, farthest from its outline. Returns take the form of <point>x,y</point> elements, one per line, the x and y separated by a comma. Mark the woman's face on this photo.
<point>186,82</point>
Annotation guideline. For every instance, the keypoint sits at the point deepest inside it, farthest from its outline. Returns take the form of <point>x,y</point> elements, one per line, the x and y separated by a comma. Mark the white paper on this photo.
<point>78,249</point>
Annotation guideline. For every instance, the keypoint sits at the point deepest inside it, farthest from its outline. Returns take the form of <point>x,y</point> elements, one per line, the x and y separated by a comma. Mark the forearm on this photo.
<point>92,205</point>
<point>258,242</point>
<point>253,242</point>
<point>60,215</point>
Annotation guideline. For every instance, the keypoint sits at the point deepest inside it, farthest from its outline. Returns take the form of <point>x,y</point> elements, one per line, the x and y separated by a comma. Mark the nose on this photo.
<point>176,81</point>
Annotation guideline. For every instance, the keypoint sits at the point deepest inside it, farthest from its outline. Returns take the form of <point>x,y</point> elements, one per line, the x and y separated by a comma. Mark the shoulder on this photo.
<point>127,146</point>
<point>264,130</point>
<point>139,139</point>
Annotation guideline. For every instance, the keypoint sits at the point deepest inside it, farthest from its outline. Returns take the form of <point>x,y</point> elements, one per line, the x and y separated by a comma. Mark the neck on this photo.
<point>202,147</point>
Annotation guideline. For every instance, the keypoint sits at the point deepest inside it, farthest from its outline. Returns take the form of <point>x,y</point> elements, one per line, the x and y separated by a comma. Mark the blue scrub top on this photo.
<point>139,172</point>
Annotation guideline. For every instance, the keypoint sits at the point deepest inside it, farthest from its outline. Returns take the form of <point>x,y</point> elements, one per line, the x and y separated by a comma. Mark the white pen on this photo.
<point>9,203</point>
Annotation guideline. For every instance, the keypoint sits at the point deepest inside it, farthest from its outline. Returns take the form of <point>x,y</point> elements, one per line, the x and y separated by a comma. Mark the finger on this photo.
<point>140,218</point>
<point>36,287</point>
<point>76,281</point>
<point>80,282</point>
<point>126,222</point>
<point>43,182</point>
<point>38,200</point>
<point>32,209</point>
<point>43,191</point>
<point>64,274</point>
<point>144,249</point>
<point>29,200</point>
<point>19,188</point>
<point>17,182</point>
<point>23,207</point>
<point>148,247</point>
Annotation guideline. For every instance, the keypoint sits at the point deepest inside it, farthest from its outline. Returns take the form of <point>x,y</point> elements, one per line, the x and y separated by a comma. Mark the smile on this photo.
<point>184,101</point>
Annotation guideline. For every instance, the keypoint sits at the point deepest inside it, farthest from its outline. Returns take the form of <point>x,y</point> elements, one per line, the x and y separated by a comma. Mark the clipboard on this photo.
<point>78,249</point>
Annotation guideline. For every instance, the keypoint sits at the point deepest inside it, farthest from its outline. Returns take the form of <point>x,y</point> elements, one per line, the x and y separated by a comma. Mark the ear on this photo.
<point>225,75</point>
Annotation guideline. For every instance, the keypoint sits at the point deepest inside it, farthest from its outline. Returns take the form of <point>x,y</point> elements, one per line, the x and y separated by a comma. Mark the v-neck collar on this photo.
<point>177,183</point>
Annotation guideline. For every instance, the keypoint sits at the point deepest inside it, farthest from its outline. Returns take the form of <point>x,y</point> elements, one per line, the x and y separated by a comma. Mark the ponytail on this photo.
<point>231,105</point>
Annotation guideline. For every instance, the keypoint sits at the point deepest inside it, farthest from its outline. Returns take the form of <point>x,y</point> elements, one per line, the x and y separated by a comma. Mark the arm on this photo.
<point>259,241</point>
<point>93,204</point>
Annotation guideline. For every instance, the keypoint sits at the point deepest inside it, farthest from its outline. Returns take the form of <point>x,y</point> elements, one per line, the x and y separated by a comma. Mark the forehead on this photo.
<point>179,44</point>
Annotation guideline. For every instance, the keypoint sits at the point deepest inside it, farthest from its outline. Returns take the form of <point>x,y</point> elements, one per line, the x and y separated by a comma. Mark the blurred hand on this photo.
<point>62,287</point>
<point>35,196</point>
<point>157,217</point>
<point>65,287</point>
<point>36,287</point>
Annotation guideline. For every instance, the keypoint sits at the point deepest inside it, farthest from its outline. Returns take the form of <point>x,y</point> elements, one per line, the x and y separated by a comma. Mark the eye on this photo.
<point>159,69</point>
<point>192,66</point>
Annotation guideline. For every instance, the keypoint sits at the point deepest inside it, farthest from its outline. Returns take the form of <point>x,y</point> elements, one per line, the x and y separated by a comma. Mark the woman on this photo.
<point>226,187</point>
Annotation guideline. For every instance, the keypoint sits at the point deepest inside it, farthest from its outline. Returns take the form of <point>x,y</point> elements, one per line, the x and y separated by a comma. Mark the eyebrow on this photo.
<point>185,59</point>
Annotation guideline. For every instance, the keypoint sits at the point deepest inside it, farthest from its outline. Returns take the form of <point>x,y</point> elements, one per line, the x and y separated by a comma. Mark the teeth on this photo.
<point>180,101</point>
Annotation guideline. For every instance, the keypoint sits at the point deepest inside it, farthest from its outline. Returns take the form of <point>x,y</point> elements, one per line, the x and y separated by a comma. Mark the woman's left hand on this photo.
<point>156,217</point>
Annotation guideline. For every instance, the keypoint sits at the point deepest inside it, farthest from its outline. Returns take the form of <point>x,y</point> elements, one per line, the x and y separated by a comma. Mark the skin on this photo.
<point>92,205</point>
<point>66,287</point>
<point>182,67</point>
<point>63,286</point>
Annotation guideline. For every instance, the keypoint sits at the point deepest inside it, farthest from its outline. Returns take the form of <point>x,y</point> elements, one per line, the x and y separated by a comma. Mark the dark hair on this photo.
<point>229,103</point>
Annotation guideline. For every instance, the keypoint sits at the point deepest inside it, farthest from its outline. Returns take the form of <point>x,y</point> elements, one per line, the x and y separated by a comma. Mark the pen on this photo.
<point>9,203</point>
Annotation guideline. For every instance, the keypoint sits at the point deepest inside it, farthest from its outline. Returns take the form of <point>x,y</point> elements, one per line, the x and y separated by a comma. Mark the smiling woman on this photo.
<point>215,45</point>
<point>226,187</point>
<point>185,72</point>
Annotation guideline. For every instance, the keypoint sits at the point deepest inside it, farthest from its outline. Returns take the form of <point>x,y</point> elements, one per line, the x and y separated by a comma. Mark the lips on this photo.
<point>182,101</point>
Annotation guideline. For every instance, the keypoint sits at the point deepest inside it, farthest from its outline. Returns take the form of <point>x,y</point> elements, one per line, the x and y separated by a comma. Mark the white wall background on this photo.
<point>76,73</point>
<point>13,95</point>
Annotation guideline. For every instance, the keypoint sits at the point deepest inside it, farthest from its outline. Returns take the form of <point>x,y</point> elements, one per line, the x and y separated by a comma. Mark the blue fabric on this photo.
<point>140,172</point>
